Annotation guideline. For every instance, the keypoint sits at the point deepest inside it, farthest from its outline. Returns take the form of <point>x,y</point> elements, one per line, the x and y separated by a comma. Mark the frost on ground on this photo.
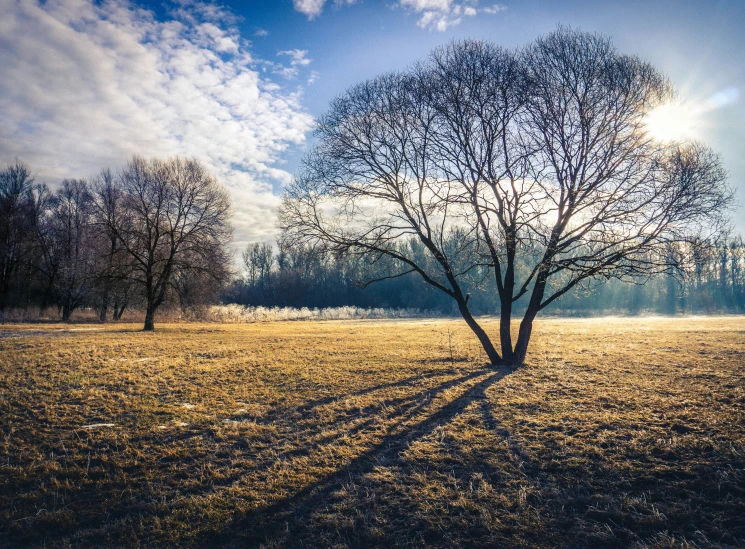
<point>239,314</point>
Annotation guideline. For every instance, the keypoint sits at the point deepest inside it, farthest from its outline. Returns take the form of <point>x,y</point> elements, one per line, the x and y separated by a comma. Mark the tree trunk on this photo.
<point>505,302</point>
<point>523,338</point>
<point>66,312</point>
<point>671,296</point>
<point>118,311</point>
<point>149,319</point>
<point>505,336</point>
<point>486,343</point>
<point>526,325</point>
<point>103,311</point>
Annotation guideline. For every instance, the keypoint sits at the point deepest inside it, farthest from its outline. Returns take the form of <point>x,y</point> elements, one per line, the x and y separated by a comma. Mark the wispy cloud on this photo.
<point>313,8</point>
<point>441,14</point>
<point>86,84</point>
<point>432,14</point>
<point>298,58</point>
<point>494,9</point>
<point>723,97</point>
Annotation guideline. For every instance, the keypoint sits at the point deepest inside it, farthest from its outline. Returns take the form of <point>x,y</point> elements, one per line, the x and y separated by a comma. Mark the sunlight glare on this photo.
<point>672,121</point>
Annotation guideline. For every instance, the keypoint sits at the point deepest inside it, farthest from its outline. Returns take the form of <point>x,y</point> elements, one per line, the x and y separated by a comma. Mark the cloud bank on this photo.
<point>86,84</point>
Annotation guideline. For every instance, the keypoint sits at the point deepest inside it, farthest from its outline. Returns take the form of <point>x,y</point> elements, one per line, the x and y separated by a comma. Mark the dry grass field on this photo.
<point>617,433</point>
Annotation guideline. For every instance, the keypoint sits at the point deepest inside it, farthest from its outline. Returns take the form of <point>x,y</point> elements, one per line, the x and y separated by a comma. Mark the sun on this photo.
<point>672,122</point>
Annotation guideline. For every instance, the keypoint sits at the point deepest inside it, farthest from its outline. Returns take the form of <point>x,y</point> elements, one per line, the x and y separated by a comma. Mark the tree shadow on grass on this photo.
<point>284,519</point>
<point>310,406</point>
<point>398,409</point>
<point>547,494</point>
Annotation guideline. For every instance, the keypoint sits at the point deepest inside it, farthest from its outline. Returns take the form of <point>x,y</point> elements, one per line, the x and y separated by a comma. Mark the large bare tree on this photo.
<point>175,219</point>
<point>536,166</point>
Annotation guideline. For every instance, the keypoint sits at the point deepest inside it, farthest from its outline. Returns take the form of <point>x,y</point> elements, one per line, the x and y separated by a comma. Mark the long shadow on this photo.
<point>401,408</point>
<point>570,515</point>
<point>396,410</point>
<point>282,414</point>
<point>288,513</point>
<point>309,406</point>
<point>527,466</point>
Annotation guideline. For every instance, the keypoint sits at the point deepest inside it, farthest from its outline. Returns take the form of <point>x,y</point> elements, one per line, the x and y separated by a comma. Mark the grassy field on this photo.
<point>617,433</point>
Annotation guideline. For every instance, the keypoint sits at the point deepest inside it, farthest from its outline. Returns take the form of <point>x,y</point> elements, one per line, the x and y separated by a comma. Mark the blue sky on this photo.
<point>85,84</point>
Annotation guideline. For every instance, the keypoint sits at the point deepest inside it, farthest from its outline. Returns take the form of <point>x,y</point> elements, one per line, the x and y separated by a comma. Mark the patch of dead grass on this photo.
<point>618,433</point>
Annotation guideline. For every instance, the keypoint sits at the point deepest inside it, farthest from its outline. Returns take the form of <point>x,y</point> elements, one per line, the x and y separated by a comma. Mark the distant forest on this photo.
<point>710,279</point>
<point>59,252</point>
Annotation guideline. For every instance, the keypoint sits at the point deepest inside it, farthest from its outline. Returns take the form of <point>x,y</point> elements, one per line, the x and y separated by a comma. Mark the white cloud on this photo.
<point>723,97</point>
<point>86,84</point>
<point>298,58</point>
<point>496,8</point>
<point>433,14</point>
<point>208,11</point>
<point>427,5</point>
<point>441,14</point>
<point>311,8</point>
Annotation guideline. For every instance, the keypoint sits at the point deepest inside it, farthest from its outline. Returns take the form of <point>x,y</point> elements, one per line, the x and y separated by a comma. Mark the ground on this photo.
<point>617,433</point>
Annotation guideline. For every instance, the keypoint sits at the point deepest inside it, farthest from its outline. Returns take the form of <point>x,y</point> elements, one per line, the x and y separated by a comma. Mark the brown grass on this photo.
<point>618,433</point>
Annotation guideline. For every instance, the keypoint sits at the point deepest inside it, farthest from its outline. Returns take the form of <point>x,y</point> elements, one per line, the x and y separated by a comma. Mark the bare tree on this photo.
<point>114,269</point>
<point>198,286</point>
<point>66,240</point>
<point>536,167</point>
<point>175,220</point>
<point>257,261</point>
<point>17,225</point>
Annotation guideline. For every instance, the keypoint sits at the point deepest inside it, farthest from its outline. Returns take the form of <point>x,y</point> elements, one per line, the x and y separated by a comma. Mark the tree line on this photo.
<point>72,248</point>
<point>155,230</point>
<point>709,278</point>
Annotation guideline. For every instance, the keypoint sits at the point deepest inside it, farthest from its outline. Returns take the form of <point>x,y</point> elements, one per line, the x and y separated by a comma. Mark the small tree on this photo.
<point>536,166</point>
<point>175,219</point>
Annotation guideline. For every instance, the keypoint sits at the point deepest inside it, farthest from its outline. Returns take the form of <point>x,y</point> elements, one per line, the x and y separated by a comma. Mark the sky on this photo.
<point>237,84</point>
